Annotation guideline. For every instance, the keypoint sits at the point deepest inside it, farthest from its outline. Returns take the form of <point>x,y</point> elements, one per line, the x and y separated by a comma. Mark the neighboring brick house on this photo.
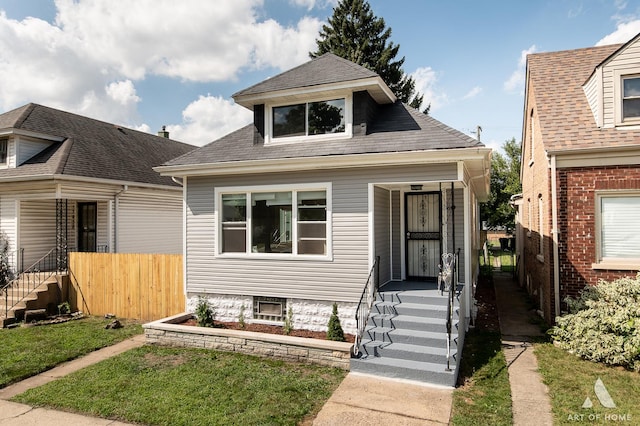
<point>580,171</point>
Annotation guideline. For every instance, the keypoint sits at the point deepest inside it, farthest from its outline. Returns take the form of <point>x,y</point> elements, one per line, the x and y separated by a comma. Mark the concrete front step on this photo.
<point>411,337</point>
<point>407,322</point>
<point>405,351</point>
<point>434,373</point>
<point>411,309</point>
<point>419,297</point>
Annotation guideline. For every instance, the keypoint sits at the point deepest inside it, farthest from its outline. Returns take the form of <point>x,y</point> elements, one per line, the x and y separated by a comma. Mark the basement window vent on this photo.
<point>269,308</point>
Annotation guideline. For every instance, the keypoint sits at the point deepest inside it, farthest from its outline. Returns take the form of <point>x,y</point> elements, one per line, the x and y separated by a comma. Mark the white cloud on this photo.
<point>515,83</point>
<point>310,4</point>
<point>209,118</point>
<point>425,83</point>
<point>623,33</point>
<point>89,60</point>
<point>473,93</point>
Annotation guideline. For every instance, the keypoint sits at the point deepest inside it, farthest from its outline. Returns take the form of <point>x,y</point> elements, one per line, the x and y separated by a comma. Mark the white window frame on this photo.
<point>632,264</point>
<point>540,255</point>
<point>532,139</point>
<point>294,189</point>
<point>5,142</point>
<point>348,121</point>
<point>619,77</point>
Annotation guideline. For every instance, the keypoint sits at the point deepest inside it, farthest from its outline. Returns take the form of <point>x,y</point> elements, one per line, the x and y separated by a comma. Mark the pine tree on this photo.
<point>355,33</point>
<point>334,329</point>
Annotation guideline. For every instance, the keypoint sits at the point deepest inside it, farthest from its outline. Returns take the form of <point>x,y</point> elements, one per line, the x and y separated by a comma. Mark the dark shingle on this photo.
<point>91,148</point>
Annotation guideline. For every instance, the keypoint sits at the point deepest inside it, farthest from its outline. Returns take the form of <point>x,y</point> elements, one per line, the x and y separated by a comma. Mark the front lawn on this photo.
<point>571,381</point>
<point>27,351</point>
<point>177,386</point>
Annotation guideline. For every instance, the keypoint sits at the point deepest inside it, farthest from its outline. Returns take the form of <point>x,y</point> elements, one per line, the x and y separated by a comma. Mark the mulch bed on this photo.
<point>487,318</point>
<point>270,329</point>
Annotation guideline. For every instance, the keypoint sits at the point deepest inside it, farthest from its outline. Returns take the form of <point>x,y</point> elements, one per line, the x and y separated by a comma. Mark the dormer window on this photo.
<point>3,151</point>
<point>310,118</point>
<point>631,98</point>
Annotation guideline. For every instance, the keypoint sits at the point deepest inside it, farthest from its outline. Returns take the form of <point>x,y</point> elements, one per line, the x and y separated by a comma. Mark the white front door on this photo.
<point>423,234</point>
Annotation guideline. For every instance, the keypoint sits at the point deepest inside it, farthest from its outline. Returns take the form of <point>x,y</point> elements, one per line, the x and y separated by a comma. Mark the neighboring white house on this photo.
<point>291,211</point>
<point>77,184</point>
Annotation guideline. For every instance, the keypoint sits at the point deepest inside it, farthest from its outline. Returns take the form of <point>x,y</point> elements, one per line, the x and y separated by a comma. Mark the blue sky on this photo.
<point>148,63</point>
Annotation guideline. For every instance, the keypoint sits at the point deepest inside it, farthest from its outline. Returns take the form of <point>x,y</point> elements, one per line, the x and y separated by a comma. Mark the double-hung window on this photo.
<point>274,221</point>
<point>618,232</point>
<point>4,144</point>
<point>309,119</point>
<point>631,98</point>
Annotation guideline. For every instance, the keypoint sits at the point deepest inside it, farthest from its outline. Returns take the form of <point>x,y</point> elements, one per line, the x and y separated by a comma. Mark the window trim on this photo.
<point>294,188</point>
<point>620,121</point>
<point>631,264</point>
<point>269,139</point>
<point>5,142</point>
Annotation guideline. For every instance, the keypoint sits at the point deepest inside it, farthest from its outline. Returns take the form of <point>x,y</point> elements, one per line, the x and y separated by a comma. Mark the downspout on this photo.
<point>554,235</point>
<point>116,203</point>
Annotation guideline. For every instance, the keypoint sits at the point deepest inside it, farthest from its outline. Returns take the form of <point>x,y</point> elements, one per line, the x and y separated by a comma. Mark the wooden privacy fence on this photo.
<point>140,286</point>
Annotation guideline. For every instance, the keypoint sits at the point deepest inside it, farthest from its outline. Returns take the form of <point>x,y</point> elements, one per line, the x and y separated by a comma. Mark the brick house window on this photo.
<point>618,230</point>
<point>631,97</point>
<point>532,128</point>
<point>540,225</point>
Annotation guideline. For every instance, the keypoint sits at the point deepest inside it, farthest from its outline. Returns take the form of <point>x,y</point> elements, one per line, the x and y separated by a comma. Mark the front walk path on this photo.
<point>530,397</point>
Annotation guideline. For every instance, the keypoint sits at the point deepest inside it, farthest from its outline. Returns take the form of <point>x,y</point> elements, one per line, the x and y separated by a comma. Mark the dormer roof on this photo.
<point>321,76</point>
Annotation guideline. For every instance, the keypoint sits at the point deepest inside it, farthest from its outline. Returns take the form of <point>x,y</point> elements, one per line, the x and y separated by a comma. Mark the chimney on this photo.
<point>163,133</point>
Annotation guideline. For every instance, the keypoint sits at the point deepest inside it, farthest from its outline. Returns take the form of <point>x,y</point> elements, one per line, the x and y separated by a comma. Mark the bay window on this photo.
<point>278,221</point>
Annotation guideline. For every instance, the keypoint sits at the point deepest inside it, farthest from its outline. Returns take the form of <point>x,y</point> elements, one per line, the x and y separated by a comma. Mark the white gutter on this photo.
<point>61,178</point>
<point>554,235</point>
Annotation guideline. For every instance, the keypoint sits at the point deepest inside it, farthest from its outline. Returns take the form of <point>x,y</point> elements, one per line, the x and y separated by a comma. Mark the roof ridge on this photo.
<point>25,114</point>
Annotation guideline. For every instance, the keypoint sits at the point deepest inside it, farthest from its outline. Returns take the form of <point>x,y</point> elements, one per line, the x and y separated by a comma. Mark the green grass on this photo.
<point>171,386</point>
<point>27,351</point>
<point>485,397</point>
<point>571,380</point>
<point>507,260</point>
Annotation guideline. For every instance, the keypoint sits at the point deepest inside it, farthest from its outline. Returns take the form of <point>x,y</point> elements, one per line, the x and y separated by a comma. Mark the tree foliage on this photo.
<point>353,32</point>
<point>505,182</point>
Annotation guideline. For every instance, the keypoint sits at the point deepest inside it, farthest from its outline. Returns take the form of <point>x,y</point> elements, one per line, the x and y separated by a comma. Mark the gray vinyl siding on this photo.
<point>146,224</point>
<point>37,229</point>
<point>28,149</point>
<point>340,279</point>
<point>382,231</point>
<point>397,238</point>
<point>626,62</point>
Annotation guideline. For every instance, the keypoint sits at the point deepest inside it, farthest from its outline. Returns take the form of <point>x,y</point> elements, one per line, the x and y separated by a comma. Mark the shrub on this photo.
<point>603,323</point>
<point>241,323</point>
<point>334,331</point>
<point>205,313</point>
<point>288,322</point>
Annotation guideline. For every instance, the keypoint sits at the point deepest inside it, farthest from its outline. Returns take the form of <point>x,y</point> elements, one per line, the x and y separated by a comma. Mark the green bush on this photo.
<point>205,314</point>
<point>603,323</point>
<point>288,322</point>
<point>334,331</point>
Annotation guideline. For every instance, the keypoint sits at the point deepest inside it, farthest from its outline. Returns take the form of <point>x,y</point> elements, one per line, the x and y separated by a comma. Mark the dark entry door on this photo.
<point>423,234</point>
<point>87,226</point>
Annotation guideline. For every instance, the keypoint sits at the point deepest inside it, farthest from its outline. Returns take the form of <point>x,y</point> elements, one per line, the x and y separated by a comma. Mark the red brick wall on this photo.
<point>577,222</point>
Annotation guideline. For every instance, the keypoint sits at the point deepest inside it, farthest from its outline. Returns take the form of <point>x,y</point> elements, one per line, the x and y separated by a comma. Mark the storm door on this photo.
<point>87,226</point>
<point>423,244</point>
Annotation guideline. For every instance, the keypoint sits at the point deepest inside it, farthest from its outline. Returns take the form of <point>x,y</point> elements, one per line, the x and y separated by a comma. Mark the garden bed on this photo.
<point>172,331</point>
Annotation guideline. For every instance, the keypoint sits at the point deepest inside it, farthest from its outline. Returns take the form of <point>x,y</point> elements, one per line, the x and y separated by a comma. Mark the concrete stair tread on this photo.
<point>407,347</point>
<point>415,333</point>
<point>414,306</point>
<point>406,364</point>
<point>410,318</point>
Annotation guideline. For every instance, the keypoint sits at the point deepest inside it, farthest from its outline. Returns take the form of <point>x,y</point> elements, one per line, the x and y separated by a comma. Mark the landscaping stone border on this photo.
<point>169,332</point>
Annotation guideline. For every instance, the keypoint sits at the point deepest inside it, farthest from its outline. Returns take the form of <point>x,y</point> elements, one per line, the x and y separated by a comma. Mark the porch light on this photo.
<point>416,187</point>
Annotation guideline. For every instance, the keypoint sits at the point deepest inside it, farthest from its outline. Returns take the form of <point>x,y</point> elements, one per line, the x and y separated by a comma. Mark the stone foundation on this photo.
<point>168,332</point>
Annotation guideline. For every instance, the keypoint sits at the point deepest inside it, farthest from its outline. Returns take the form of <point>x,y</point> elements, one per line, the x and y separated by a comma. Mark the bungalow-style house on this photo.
<point>288,215</point>
<point>580,171</point>
<point>72,183</point>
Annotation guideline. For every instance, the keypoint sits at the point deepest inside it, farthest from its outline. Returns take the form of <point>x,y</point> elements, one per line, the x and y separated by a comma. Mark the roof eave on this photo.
<point>374,85</point>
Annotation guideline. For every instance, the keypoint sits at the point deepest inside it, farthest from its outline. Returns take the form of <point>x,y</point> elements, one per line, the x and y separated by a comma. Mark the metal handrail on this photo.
<point>27,281</point>
<point>367,299</point>
<point>448,279</point>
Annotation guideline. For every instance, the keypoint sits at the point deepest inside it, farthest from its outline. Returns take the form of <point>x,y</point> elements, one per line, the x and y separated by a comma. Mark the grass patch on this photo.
<point>571,380</point>
<point>27,351</point>
<point>177,386</point>
<point>485,396</point>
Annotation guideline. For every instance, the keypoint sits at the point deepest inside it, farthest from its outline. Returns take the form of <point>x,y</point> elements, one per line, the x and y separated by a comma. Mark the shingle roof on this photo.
<point>90,148</point>
<point>397,128</point>
<point>556,82</point>
<point>325,69</point>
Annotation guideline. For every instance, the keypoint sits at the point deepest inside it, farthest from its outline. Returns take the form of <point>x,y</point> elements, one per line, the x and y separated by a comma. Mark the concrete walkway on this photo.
<point>15,414</point>
<point>530,397</point>
<point>366,400</point>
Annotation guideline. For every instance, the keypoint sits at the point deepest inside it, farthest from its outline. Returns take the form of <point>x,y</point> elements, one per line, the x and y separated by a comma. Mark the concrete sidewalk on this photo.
<point>530,397</point>
<point>12,413</point>
<point>366,400</point>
